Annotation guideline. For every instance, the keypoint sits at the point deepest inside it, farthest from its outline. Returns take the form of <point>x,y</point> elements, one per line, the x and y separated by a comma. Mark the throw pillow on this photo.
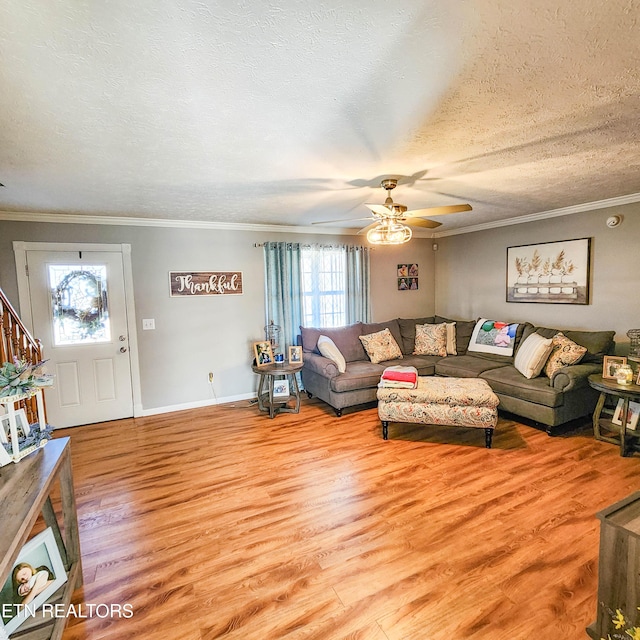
<point>327,347</point>
<point>532,355</point>
<point>381,346</point>
<point>565,352</point>
<point>451,339</point>
<point>431,340</point>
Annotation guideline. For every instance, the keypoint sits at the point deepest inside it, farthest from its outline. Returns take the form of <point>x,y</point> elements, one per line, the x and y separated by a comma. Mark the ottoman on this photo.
<point>457,402</point>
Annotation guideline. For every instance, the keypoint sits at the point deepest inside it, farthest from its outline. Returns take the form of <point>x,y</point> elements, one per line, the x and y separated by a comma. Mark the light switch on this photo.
<point>148,324</point>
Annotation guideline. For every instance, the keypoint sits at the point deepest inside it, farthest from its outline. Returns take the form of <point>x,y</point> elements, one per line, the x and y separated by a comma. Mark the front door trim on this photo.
<point>20,250</point>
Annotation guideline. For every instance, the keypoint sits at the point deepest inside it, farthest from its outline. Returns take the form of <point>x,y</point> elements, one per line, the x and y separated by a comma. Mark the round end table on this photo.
<point>625,392</point>
<point>274,397</point>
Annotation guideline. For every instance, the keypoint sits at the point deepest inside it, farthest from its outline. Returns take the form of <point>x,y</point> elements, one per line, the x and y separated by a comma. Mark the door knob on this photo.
<point>123,349</point>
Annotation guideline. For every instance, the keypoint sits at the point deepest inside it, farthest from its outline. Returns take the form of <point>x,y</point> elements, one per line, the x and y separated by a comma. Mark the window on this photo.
<point>323,286</point>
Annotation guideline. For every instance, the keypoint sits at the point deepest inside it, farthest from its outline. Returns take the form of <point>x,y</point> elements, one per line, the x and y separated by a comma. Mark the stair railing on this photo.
<point>17,342</point>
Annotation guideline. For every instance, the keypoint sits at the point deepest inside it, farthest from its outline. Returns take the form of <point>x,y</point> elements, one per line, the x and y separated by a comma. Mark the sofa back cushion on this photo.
<point>408,332</point>
<point>345,338</point>
<point>598,343</point>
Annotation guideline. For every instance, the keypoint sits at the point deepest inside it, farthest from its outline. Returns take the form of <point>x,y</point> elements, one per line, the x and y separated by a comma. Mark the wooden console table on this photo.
<point>25,489</point>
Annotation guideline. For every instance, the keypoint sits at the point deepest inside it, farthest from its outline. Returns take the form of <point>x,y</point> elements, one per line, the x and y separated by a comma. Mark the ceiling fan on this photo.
<point>391,219</point>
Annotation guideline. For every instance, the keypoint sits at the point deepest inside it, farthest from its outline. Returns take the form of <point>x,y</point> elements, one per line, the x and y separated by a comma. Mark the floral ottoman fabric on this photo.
<point>463,402</point>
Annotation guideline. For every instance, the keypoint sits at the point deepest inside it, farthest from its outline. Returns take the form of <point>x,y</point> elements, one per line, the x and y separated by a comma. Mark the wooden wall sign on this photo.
<point>205,283</point>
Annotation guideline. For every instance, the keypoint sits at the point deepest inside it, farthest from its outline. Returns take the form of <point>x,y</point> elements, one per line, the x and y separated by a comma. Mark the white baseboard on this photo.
<point>194,405</point>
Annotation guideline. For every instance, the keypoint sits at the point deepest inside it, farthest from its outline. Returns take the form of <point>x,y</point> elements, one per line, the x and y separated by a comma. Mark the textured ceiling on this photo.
<point>288,112</point>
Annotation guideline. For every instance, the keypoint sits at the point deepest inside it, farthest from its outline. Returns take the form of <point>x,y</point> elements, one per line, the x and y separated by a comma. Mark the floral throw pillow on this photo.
<point>565,352</point>
<point>381,346</point>
<point>431,340</point>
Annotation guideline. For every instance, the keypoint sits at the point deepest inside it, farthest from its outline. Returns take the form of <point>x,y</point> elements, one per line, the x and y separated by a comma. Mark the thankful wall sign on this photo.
<point>205,283</point>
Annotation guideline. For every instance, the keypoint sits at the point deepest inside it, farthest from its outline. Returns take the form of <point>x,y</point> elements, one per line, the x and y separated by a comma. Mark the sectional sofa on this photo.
<point>551,402</point>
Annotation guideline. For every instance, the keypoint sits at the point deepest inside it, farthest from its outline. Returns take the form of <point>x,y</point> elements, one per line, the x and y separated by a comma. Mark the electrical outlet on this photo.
<point>211,377</point>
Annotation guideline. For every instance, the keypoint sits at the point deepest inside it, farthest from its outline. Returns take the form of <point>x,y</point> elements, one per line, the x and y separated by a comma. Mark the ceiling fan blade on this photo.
<point>438,211</point>
<point>369,226</point>
<point>380,209</point>
<point>421,222</point>
<point>341,220</point>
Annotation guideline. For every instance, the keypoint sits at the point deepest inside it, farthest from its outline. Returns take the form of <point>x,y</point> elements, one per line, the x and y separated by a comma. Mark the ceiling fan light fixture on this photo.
<point>389,232</point>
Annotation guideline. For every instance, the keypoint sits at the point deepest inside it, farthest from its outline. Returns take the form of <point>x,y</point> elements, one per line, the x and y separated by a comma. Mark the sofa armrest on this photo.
<point>574,376</point>
<point>320,365</point>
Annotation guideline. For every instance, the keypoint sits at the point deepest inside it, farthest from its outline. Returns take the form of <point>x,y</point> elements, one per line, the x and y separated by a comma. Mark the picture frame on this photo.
<point>281,388</point>
<point>263,353</point>
<point>22,426</point>
<point>557,272</point>
<point>295,355</point>
<point>609,366</point>
<point>632,417</point>
<point>40,557</point>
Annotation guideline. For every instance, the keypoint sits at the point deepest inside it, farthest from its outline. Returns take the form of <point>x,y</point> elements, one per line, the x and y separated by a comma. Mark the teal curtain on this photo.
<point>357,285</point>
<point>283,293</point>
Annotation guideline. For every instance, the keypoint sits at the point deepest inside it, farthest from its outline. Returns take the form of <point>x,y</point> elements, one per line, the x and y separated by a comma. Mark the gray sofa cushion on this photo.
<point>424,364</point>
<point>408,332</point>
<point>465,366</point>
<point>598,343</point>
<point>510,382</point>
<point>345,338</point>
<point>359,375</point>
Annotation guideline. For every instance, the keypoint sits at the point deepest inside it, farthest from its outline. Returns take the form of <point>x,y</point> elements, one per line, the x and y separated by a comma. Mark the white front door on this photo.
<point>78,311</point>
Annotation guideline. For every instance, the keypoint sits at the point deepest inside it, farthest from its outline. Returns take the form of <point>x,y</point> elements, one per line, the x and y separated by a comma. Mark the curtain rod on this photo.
<point>324,246</point>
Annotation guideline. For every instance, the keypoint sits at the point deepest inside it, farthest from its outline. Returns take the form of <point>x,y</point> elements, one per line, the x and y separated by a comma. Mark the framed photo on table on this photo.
<point>610,365</point>
<point>263,353</point>
<point>37,574</point>
<point>281,389</point>
<point>632,417</point>
<point>295,355</point>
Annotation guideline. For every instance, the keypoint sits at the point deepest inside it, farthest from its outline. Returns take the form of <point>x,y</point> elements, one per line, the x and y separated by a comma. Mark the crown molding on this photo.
<point>69,218</point>
<point>543,215</point>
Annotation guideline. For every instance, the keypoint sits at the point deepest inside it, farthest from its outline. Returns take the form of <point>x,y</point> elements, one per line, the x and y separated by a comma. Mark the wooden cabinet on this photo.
<point>619,569</point>
<point>25,493</point>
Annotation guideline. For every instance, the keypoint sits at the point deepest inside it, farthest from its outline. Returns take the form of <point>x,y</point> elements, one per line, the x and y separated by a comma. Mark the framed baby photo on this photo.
<point>263,353</point>
<point>295,355</point>
<point>37,574</point>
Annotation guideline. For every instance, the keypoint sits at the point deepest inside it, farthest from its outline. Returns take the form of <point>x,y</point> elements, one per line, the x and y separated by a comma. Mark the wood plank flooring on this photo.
<point>222,523</point>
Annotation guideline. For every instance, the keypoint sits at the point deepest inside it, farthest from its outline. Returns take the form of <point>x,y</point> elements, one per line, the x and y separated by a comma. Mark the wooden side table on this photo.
<point>618,568</point>
<point>269,375</point>
<point>628,392</point>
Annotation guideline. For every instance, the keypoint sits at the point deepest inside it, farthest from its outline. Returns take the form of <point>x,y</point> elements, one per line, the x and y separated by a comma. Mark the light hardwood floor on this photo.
<point>222,523</point>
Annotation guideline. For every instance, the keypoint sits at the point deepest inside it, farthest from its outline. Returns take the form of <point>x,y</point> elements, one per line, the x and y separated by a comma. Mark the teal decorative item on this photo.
<point>21,376</point>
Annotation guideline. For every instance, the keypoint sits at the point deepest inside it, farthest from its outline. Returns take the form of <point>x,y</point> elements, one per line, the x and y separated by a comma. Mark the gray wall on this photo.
<point>198,335</point>
<point>471,273</point>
